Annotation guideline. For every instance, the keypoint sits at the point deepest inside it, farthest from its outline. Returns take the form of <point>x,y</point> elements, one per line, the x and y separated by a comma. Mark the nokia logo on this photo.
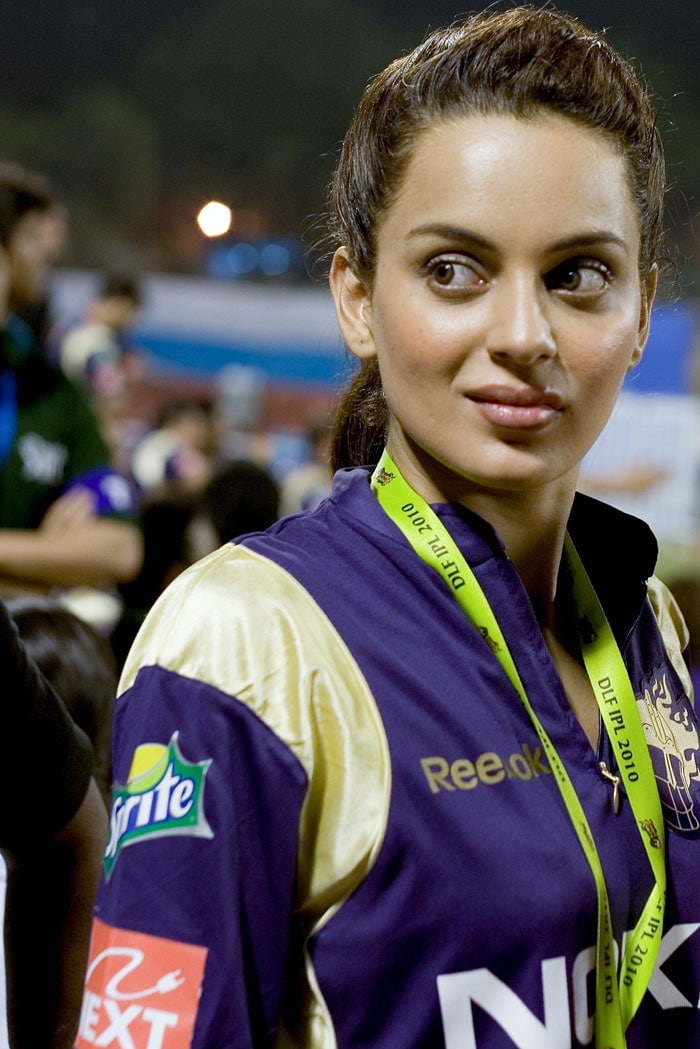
<point>460,992</point>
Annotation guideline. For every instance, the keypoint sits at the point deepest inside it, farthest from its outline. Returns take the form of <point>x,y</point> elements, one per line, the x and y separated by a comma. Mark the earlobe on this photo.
<point>637,354</point>
<point>648,294</point>
<point>353,306</point>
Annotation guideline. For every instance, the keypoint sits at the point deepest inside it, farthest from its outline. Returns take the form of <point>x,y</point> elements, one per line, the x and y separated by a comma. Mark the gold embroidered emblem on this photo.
<point>650,829</point>
<point>493,645</point>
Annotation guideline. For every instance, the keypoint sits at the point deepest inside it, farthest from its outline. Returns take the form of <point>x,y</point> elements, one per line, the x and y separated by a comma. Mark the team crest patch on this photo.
<point>671,732</point>
<point>141,992</point>
<point>384,477</point>
<point>164,795</point>
<point>649,829</point>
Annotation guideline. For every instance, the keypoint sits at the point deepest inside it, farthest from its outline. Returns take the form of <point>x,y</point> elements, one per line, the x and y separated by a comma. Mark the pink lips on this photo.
<point>524,408</point>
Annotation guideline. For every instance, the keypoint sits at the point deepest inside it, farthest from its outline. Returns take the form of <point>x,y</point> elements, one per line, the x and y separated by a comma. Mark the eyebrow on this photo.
<point>577,240</point>
<point>589,240</point>
<point>438,229</point>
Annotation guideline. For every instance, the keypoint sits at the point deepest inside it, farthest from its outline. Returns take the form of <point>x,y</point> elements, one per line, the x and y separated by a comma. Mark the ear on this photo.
<point>353,306</point>
<point>648,294</point>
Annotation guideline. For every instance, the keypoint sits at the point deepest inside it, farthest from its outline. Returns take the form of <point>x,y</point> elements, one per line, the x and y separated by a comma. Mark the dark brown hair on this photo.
<point>517,62</point>
<point>79,663</point>
<point>21,192</point>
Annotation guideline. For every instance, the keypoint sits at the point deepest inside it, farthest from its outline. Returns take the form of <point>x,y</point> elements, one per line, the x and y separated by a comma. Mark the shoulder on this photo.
<point>672,627</point>
<point>216,597</point>
<point>244,625</point>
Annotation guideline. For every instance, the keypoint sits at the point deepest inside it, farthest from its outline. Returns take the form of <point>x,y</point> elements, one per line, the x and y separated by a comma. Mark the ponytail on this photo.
<point>361,421</point>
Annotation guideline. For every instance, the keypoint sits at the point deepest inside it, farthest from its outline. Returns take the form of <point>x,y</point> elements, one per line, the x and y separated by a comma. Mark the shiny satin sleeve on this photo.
<point>673,629</point>
<point>242,624</point>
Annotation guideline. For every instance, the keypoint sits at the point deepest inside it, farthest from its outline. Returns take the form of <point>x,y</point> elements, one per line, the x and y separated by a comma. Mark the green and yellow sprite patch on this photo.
<point>164,795</point>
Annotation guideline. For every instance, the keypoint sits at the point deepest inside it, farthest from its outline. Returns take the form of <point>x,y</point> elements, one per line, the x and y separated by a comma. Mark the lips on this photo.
<point>525,407</point>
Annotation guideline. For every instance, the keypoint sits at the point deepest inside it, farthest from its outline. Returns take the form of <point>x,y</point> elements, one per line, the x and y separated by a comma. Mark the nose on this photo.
<point>519,328</point>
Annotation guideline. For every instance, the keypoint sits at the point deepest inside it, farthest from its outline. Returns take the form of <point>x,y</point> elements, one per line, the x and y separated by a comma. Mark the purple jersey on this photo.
<point>333,822</point>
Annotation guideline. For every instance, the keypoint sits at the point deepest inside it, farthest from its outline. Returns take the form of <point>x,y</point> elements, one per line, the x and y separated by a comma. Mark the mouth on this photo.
<point>522,408</point>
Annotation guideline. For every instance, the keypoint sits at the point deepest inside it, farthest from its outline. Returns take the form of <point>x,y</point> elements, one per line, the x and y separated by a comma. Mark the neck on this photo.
<point>531,523</point>
<point>533,536</point>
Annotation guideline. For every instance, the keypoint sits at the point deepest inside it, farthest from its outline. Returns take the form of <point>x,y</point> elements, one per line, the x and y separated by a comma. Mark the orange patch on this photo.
<point>140,991</point>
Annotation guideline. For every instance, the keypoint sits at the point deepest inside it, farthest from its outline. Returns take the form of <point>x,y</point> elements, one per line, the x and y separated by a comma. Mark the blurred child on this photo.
<point>240,497</point>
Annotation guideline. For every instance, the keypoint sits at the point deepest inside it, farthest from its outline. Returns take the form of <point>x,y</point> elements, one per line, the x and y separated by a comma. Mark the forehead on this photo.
<point>539,175</point>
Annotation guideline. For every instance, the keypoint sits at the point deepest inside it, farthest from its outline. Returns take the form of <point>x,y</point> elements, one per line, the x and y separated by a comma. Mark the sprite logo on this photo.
<point>164,794</point>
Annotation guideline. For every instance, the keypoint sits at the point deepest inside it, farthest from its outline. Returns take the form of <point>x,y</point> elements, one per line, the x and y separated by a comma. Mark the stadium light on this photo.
<point>214,219</point>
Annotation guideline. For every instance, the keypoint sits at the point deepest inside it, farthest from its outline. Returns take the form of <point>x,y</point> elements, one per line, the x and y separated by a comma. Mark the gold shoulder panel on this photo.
<point>242,624</point>
<point>673,628</point>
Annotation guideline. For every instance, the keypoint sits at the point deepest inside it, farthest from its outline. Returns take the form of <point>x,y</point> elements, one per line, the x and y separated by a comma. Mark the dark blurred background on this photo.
<point>142,110</point>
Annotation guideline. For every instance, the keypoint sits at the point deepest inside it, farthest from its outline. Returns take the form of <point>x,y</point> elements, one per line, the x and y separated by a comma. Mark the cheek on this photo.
<point>605,353</point>
<point>410,338</point>
<point>398,338</point>
<point>613,358</point>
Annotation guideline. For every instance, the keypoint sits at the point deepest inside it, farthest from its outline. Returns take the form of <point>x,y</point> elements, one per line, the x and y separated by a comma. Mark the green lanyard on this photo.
<point>616,1002</point>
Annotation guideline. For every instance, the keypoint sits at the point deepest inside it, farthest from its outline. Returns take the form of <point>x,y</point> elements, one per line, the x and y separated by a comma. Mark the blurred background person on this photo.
<point>180,526</point>
<point>37,241</point>
<point>67,518</point>
<point>52,835</point>
<point>177,452</point>
<point>78,661</point>
<point>164,522</point>
<point>240,497</point>
<point>98,353</point>
<point>307,484</point>
<point>97,349</point>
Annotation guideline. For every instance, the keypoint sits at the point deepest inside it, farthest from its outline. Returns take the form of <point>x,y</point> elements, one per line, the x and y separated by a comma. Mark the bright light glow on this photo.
<point>214,219</point>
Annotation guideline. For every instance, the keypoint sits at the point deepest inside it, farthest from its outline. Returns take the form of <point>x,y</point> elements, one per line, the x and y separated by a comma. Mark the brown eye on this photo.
<point>444,273</point>
<point>580,276</point>
<point>457,276</point>
<point>570,279</point>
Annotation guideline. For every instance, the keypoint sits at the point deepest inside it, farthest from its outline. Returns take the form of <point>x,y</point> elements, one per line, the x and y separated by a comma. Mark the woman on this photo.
<point>385,779</point>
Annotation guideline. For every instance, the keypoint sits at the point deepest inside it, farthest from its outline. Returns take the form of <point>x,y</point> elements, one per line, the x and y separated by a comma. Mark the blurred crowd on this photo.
<point>119,500</point>
<point>102,503</point>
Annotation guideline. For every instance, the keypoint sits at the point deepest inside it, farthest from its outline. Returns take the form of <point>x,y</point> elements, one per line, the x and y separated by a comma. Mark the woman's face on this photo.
<point>506,306</point>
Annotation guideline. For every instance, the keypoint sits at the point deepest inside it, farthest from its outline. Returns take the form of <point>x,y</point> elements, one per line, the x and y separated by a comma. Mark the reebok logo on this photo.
<point>488,768</point>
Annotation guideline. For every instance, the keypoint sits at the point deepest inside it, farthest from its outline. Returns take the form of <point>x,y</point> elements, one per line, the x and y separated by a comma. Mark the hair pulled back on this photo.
<point>518,62</point>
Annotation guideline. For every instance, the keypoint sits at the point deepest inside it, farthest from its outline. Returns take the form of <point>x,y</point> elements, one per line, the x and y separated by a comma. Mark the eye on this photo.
<point>579,277</point>
<point>454,275</point>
